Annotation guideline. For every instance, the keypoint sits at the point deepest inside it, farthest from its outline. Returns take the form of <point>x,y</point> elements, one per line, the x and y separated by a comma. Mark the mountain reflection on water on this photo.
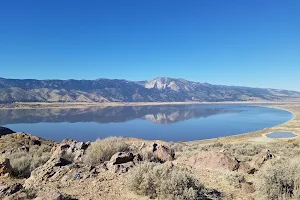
<point>157,114</point>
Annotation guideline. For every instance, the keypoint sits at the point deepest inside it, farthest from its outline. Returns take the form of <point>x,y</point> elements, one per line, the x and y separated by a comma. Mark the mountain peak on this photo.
<point>166,83</point>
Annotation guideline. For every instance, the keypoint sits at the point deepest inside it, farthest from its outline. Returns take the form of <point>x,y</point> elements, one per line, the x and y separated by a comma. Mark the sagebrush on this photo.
<point>160,181</point>
<point>280,180</point>
<point>103,150</point>
<point>23,162</point>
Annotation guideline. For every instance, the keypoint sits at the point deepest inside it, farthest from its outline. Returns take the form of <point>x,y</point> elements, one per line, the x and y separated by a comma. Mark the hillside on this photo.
<point>115,90</point>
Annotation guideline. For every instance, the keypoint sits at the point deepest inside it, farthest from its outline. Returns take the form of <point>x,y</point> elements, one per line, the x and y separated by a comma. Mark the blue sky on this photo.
<point>250,43</point>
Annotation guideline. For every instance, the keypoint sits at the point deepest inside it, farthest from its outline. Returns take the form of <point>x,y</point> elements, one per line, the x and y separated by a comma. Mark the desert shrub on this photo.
<point>286,149</point>
<point>234,178</point>
<point>176,146</point>
<point>280,180</point>
<point>159,180</point>
<point>103,150</point>
<point>244,149</point>
<point>23,163</point>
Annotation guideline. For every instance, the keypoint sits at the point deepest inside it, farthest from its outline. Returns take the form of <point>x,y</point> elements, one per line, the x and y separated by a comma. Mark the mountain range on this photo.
<point>160,89</point>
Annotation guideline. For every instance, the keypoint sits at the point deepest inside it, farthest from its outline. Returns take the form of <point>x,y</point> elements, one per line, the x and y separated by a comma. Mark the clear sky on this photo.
<point>233,42</point>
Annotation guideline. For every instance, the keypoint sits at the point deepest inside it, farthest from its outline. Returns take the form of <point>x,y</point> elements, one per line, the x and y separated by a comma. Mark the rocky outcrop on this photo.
<point>70,150</point>
<point>5,167</point>
<point>121,162</point>
<point>14,191</point>
<point>5,131</point>
<point>121,157</point>
<point>59,170</point>
<point>122,168</point>
<point>260,159</point>
<point>213,160</point>
<point>157,153</point>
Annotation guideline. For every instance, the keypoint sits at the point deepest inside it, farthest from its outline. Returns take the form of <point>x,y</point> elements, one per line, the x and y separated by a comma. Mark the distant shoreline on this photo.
<point>46,105</point>
<point>259,136</point>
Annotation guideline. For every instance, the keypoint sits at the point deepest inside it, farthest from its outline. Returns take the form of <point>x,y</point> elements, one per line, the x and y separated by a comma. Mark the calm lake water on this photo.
<point>281,135</point>
<point>168,122</point>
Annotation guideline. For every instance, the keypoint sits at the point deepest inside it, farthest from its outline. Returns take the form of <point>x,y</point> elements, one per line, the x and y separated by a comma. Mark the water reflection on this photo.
<point>157,114</point>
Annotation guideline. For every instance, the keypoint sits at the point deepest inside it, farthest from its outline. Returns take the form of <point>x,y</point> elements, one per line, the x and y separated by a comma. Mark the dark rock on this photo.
<point>16,187</point>
<point>10,189</point>
<point>5,167</point>
<point>137,158</point>
<point>122,168</point>
<point>121,157</point>
<point>24,148</point>
<point>59,162</point>
<point>35,142</point>
<point>5,131</point>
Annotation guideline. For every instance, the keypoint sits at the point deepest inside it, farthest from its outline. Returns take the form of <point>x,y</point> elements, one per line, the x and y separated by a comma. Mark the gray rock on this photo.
<point>71,150</point>
<point>158,153</point>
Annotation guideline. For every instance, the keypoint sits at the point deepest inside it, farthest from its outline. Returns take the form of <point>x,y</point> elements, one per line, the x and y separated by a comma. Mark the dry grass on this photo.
<point>103,150</point>
<point>23,163</point>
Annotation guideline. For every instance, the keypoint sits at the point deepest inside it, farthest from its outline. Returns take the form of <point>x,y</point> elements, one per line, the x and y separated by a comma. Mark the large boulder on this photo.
<point>121,157</point>
<point>158,153</point>
<point>5,131</point>
<point>53,170</point>
<point>5,167</point>
<point>59,170</point>
<point>213,160</point>
<point>71,150</point>
<point>121,162</point>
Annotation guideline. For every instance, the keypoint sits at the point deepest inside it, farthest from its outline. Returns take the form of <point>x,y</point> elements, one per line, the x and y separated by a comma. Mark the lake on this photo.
<point>281,135</point>
<point>167,122</point>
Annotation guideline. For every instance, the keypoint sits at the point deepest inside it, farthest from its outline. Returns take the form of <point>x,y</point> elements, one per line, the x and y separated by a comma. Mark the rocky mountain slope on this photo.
<point>115,90</point>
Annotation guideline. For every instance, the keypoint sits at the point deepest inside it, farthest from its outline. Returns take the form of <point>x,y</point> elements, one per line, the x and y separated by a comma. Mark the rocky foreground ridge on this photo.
<point>115,90</point>
<point>120,168</point>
